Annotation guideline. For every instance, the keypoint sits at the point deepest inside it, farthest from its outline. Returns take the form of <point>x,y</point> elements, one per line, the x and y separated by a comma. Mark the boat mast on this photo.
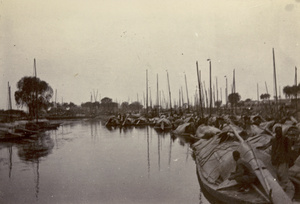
<point>206,97</point>
<point>9,98</point>
<point>187,94</point>
<point>296,86</point>
<point>55,105</point>
<point>36,93</point>
<point>275,81</point>
<point>179,101</point>
<point>221,95</point>
<point>210,90</point>
<point>150,98</point>
<point>226,92</point>
<point>147,91</point>
<point>234,90</point>
<point>169,92</point>
<point>217,89</point>
<point>157,97</point>
<point>9,103</point>
<point>182,97</point>
<point>257,90</point>
<point>199,85</point>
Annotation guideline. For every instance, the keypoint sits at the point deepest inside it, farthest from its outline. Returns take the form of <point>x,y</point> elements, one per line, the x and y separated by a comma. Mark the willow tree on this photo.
<point>234,98</point>
<point>33,93</point>
<point>265,96</point>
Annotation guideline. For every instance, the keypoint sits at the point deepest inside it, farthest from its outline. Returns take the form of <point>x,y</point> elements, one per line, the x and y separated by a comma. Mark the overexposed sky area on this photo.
<point>85,46</point>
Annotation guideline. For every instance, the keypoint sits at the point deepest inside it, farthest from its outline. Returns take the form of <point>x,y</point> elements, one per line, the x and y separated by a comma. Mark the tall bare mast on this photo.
<point>257,90</point>
<point>147,91</point>
<point>55,98</point>
<point>217,89</point>
<point>210,90</point>
<point>226,93</point>
<point>221,96</point>
<point>158,95</point>
<point>36,93</point>
<point>169,92</point>
<point>179,101</point>
<point>9,98</point>
<point>275,81</point>
<point>296,86</point>
<point>182,96</point>
<point>206,97</point>
<point>266,87</point>
<point>150,98</point>
<point>233,84</point>
<point>144,98</point>
<point>187,93</point>
<point>199,85</point>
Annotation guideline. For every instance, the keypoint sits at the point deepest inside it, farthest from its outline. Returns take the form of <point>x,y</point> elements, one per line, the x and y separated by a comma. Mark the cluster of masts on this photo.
<point>208,98</point>
<point>202,98</point>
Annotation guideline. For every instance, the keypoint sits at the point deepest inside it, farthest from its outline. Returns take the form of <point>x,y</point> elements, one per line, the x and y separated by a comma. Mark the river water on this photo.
<point>84,162</point>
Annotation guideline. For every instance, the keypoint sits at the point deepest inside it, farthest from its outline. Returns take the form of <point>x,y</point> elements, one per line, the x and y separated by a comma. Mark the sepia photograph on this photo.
<point>149,102</point>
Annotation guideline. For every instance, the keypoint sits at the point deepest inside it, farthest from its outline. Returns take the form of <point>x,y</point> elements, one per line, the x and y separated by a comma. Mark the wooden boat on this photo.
<point>112,122</point>
<point>42,125</point>
<point>13,132</point>
<point>153,121</point>
<point>20,127</point>
<point>186,131</point>
<point>206,131</point>
<point>128,122</point>
<point>141,121</point>
<point>163,124</point>
<point>213,157</point>
<point>69,117</point>
<point>294,174</point>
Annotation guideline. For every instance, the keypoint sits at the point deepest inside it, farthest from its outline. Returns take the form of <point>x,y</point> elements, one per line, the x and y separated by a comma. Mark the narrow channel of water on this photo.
<point>84,162</point>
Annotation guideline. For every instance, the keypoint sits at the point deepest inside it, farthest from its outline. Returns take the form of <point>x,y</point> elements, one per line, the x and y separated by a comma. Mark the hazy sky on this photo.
<point>83,46</point>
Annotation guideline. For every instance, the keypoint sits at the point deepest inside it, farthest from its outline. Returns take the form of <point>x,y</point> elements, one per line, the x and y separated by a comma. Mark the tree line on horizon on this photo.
<point>36,94</point>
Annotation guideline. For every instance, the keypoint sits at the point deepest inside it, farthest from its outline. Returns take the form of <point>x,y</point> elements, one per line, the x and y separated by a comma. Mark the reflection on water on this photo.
<point>148,152</point>
<point>32,150</point>
<point>85,162</point>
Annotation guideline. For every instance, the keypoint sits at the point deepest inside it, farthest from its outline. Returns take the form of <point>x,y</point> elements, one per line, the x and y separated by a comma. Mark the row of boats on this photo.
<point>24,129</point>
<point>159,123</point>
<point>213,140</point>
<point>213,145</point>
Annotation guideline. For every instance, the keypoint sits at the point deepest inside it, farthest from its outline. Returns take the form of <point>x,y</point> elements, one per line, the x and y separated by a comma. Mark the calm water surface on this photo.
<point>84,162</point>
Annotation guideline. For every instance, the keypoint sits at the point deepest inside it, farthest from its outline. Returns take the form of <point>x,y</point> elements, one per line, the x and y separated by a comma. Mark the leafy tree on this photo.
<point>291,90</point>
<point>248,100</point>
<point>108,106</point>
<point>265,96</point>
<point>135,106</point>
<point>33,93</point>
<point>234,98</point>
<point>218,103</point>
<point>72,105</point>
<point>287,91</point>
<point>124,106</point>
<point>106,100</point>
<point>87,105</point>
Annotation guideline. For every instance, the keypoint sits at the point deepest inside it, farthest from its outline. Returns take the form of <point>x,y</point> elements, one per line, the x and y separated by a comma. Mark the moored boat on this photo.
<point>13,131</point>
<point>163,124</point>
<point>187,131</point>
<point>112,122</point>
<point>215,163</point>
<point>141,121</point>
